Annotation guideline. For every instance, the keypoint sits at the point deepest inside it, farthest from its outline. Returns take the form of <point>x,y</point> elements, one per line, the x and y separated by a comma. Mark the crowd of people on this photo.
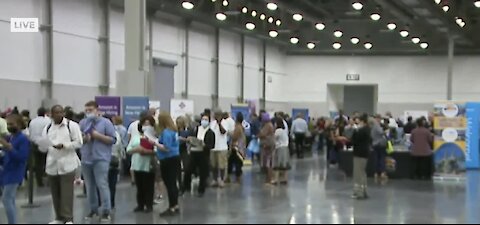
<point>162,155</point>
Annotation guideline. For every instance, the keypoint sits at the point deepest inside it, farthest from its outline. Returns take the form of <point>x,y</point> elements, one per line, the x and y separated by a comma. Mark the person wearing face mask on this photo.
<point>201,142</point>
<point>142,165</point>
<point>15,151</point>
<point>98,139</point>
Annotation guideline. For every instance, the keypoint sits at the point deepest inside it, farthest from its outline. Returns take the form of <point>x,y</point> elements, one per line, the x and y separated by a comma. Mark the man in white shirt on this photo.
<point>219,155</point>
<point>35,129</point>
<point>299,129</point>
<point>62,162</point>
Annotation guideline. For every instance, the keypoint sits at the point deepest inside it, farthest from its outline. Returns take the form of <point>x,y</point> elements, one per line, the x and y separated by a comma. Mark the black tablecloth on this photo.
<point>403,168</point>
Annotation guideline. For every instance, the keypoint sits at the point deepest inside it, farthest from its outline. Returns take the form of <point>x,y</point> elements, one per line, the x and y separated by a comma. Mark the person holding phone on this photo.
<point>142,155</point>
<point>16,149</point>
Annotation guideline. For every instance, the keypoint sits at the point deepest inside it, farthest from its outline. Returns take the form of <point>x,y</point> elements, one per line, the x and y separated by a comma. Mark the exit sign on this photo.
<point>353,77</point>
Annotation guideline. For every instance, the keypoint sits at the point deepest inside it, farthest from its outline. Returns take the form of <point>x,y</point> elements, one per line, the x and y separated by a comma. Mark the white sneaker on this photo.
<point>221,184</point>
<point>57,222</point>
<point>69,222</point>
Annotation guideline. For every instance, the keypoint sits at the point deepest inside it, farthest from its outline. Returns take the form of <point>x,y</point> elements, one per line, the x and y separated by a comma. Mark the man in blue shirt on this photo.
<point>98,138</point>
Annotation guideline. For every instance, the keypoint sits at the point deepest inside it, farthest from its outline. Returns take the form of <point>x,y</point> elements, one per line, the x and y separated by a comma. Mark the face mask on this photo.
<point>91,116</point>
<point>12,130</point>
<point>205,123</point>
<point>148,130</point>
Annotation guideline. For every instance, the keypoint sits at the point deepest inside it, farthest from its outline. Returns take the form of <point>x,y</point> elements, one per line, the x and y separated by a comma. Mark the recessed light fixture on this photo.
<point>438,2</point>
<point>338,34</point>
<point>294,40</point>
<point>337,45</point>
<point>262,16</point>
<point>279,22</point>
<point>225,3</point>
<point>368,45</point>
<point>311,45</point>
<point>355,40</point>
<point>214,0</point>
<point>221,16</point>
<point>424,45</point>
<point>320,26</point>
<point>250,26</point>
<point>446,8</point>
<point>270,19</point>
<point>272,6</point>
<point>375,16</point>
<point>254,13</point>
<point>404,33</point>
<point>392,26</point>
<point>244,10</point>
<point>460,22</point>
<point>416,40</point>
<point>187,5</point>
<point>273,33</point>
<point>357,5</point>
<point>477,3</point>
<point>297,17</point>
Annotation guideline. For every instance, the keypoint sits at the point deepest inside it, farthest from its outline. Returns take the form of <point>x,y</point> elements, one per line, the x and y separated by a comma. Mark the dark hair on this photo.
<point>410,119</point>
<point>279,123</point>
<point>55,107</point>
<point>69,114</point>
<point>18,120</point>
<point>25,113</point>
<point>239,118</point>
<point>364,118</point>
<point>421,122</point>
<point>142,121</point>
<point>143,114</point>
<point>92,104</point>
<point>203,114</point>
<point>41,111</point>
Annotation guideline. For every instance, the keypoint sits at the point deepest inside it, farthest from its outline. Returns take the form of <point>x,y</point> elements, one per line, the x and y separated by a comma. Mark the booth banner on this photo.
<point>450,126</point>
<point>181,107</point>
<point>244,109</point>
<point>415,115</point>
<point>109,105</point>
<point>133,107</point>
<point>305,113</point>
<point>472,136</point>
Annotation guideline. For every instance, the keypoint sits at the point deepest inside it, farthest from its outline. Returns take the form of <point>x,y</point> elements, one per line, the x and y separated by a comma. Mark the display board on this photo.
<point>472,136</point>
<point>109,105</point>
<point>305,113</point>
<point>181,107</point>
<point>450,126</point>
<point>415,115</point>
<point>242,108</point>
<point>133,107</point>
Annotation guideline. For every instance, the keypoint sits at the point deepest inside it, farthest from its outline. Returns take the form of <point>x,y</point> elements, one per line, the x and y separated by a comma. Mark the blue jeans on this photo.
<point>380,155</point>
<point>96,177</point>
<point>8,198</point>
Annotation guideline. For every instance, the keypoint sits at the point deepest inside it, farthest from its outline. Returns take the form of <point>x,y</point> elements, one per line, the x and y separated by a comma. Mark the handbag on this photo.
<point>254,146</point>
<point>390,149</point>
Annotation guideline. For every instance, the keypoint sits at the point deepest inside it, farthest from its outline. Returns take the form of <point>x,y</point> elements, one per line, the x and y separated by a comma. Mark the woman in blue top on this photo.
<point>15,153</point>
<point>169,155</point>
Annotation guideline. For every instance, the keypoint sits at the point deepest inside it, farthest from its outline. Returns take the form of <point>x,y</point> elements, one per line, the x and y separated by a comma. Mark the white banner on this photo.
<point>181,107</point>
<point>415,115</point>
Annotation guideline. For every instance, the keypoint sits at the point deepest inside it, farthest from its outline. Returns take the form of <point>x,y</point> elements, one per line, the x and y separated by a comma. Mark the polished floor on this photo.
<point>315,195</point>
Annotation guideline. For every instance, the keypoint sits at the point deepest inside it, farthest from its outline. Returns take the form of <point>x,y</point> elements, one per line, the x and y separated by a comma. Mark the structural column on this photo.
<point>216,61</point>
<point>187,58</point>
<point>104,40</point>
<point>46,28</point>
<point>242,69</point>
<point>263,100</point>
<point>451,51</point>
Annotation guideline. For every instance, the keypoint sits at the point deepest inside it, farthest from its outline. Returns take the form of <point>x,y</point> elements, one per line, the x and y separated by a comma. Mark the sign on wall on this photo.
<point>353,77</point>
<point>304,112</point>
<point>473,135</point>
<point>133,107</point>
<point>181,107</point>
<point>244,109</point>
<point>109,105</point>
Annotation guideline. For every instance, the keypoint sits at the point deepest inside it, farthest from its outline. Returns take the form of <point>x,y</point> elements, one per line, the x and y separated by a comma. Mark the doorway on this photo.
<point>162,84</point>
<point>352,98</point>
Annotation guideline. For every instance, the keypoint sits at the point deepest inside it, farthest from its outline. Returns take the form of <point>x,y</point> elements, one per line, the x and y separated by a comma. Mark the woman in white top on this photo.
<point>281,155</point>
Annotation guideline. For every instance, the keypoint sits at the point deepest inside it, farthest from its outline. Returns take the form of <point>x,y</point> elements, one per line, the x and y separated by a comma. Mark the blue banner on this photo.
<point>244,109</point>
<point>132,108</point>
<point>472,155</point>
<point>305,113</point>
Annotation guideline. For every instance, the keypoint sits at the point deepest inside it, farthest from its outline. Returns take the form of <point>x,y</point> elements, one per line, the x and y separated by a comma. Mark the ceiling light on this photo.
<point>262,17</point>
<point>424,45</point>
<point>392,26</point>
<point>250,26</point>
<point>337,45</point>
<point>214,0</point>
<point>187,5</point>
<point>438,2</point>
<point>320,26</point>
<point>294,40</point>
<point>311,45</point>
<point>221,16</point>
<point>404,33</point>
<point>244,10</point>
<point>355,40</point>
<point>416,40</point>
<point>446,8</point>
<point>225,3</point>
<point>273,33</point>
<point>279,22</point>
<point>368,45</point>
<point>477,3</point>
<point>297,17</point>
<point>272,6</point>
<point>375,16</point>
<point>270,19</point>
<point>254,13</point>
<point>338,34</point>
<point>462,24</point>
<point>357,5</point>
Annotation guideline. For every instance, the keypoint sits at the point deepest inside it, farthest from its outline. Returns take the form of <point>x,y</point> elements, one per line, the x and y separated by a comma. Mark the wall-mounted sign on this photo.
<point>353,77</point>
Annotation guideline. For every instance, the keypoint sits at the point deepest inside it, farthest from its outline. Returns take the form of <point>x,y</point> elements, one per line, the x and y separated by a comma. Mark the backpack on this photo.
<point>68,127</point>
